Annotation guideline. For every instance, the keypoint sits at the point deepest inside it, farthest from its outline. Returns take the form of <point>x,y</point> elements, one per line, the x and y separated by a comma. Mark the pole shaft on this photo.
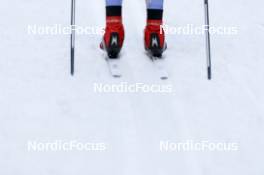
<point>72,35</point>
<point>207,37</point>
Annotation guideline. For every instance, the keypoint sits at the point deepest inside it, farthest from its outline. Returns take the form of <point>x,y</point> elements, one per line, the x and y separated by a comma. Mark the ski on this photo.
<point>112,54</point>
<point>158,62</point>
<point>114,67</point>
<point>155,46</point>
<point>159,66</point>
<point>112,63</point>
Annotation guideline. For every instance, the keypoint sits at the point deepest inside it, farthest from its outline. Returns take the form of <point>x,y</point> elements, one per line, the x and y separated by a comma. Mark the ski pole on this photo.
<point>72,35</point>
<point>207,37</point>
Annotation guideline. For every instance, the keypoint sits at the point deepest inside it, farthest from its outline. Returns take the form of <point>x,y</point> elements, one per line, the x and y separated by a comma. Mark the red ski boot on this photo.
<point>155,43</point>
<point>114,36</point>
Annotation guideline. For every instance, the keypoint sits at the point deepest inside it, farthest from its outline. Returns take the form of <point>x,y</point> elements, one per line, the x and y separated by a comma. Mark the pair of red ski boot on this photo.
<point>154,37</point>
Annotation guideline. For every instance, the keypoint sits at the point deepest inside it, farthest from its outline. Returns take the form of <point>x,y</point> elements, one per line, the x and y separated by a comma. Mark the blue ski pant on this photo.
<point>151,4</point>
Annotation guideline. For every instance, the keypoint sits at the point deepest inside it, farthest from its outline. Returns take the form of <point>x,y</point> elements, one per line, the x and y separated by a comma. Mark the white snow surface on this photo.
<point>39,100</point>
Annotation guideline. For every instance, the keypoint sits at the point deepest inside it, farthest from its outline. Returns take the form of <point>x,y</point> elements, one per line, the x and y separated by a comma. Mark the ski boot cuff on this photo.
<point>113,20</point>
